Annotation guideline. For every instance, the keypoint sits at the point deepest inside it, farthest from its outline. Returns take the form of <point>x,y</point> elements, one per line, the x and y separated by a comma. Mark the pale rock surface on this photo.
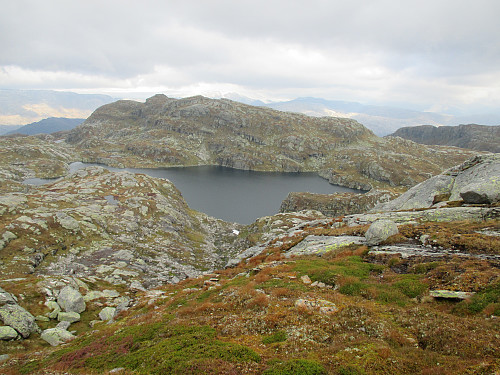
<point>18,318</point>
<point>57,336</point>
<point>379,231</point>
<point>108,313</point>
<point>8,333</point>
<point>71,300</point>
<point>71,317</point>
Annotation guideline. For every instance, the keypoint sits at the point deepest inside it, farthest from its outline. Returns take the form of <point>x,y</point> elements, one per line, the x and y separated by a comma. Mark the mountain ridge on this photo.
<point>471,136</point>
<point>166,132</point>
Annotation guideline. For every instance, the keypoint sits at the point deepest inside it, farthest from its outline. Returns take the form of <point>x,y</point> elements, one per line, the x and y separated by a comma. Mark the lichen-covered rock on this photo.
<point>71,317</point>
<point>6,298</point>
<point>8,333</point>
<point>57,336</point>
<point>18,318</point>
<point>56,309</point>
<point>485,192</point>
<point>451,294</point>
<point>71,300</point>
<point>379,231</point>
<point>322,244</point>
<point>108,313</point>
<point>475,181</point>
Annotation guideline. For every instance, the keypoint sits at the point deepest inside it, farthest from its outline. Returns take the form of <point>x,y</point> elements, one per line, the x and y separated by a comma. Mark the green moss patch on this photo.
<point>152,349</point>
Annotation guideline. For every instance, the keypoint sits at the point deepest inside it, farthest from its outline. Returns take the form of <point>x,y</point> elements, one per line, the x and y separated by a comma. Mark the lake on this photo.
<point>231,194</point>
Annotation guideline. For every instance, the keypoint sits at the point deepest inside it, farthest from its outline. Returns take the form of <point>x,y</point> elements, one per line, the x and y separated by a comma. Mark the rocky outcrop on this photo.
<point>26,157</point>
<point>475,181</point>
<point>121,227</point>
<point>337,204</point>
<point>475,137</point>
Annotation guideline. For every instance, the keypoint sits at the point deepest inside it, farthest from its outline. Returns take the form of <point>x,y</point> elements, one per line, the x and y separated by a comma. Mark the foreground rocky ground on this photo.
<point>412,287</point>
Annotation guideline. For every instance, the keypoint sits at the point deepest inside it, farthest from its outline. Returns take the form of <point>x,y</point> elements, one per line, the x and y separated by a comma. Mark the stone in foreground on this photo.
<point>56,336</point>
<point>19,319</point>
<point>8,333</point>
<point>450,294</point>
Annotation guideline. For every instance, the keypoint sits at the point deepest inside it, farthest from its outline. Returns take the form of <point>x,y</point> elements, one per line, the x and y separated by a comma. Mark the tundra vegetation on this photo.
<point>114,273</point>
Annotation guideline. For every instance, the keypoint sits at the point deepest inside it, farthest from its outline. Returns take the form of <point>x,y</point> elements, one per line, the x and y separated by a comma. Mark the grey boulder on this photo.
<point>108,313</point>
<point>71,300</point>
<point>8,333</point>
<point>19,319</point>
<point>71,317</point>
<point>6,298</point>
<point>379,231</point>
<point>56,336</point>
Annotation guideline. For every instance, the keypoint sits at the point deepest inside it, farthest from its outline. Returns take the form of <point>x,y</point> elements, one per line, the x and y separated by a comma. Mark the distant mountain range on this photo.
<point>475,137</point>
<point>381,120</point>
<point>20,107</point>
<point>49,125</point>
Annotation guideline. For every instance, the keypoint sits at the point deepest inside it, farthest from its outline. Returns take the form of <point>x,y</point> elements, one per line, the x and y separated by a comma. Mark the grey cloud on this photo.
<point>354,46</point>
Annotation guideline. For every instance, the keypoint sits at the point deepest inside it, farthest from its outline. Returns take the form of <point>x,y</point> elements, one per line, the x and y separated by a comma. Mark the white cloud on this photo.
<point>427,53</point>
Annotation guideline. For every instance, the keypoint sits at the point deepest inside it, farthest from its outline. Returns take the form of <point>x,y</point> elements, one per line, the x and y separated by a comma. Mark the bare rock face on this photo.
<point>475,181</point>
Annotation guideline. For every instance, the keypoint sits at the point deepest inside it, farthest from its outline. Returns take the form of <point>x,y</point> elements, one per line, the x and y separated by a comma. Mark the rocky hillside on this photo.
<point>26,157</point>
<point>370,293</point>
<point>125,228</point>
<point>475,137</point>
<point>201,131</point>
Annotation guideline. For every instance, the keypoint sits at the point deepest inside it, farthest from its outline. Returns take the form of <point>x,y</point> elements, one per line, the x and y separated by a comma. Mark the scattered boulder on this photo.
<point>70,316</point>
<point>8,333</point>
<point>450,294</point>
<point>64,324</point>
<point>71,300</point>
<point>108,313</point>
<point>379,231</point>
<point>6,298</point>
<point>56,309</point>
<point>18,318</point>
<point>56,336</point>
<point>306,279</point>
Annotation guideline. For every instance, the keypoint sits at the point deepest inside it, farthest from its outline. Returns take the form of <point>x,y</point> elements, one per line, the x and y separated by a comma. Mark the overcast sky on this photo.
<point>434,55</point>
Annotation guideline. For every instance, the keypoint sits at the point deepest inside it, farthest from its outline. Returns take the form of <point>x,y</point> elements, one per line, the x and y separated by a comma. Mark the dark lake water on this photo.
<point>231,194</point>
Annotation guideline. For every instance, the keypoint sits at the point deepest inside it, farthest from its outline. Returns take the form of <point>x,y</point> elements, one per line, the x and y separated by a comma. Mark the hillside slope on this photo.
<point>48,125</point>
<point>201,131</point>
<point>314,295</point>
